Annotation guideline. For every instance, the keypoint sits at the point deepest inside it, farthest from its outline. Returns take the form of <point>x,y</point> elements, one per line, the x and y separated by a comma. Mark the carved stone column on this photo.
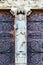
<point>20,41</point>
<point>20,36</point>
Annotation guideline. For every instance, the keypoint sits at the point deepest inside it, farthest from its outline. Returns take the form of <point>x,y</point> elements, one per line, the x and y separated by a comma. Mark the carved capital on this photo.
<point>24,10</point>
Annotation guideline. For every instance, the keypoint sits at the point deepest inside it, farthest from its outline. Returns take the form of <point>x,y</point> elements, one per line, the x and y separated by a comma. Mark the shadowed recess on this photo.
<point>7,42</point>
<point>35,38</point>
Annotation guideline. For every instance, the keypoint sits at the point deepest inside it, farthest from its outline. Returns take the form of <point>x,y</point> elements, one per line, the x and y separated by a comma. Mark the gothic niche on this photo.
<point>6,38</point>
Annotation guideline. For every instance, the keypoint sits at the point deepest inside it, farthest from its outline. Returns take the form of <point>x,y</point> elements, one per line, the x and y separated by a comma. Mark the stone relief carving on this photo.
<point>32,4</point>
<point>2,0</point>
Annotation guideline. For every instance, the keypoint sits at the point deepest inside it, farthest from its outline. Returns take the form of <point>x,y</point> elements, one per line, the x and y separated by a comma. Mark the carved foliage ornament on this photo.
<point>33,4</point>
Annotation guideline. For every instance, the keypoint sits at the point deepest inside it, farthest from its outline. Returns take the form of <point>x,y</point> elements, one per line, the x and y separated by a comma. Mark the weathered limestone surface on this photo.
<point>33,4</point>
<point>20,41</point>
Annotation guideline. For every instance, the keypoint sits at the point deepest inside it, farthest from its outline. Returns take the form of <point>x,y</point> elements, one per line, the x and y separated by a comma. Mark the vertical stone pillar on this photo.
<point>20,40</point>
<point>20,27</point>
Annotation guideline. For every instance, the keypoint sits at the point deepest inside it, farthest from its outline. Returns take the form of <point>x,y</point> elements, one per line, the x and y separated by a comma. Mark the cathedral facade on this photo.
<point>21,32</point>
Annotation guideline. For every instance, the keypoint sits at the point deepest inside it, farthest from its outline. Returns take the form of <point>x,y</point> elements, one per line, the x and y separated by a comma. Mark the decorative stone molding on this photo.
<point>15,10</point>
<point>23,4</point>
<point>2,1</point>
<point>33,4</point>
